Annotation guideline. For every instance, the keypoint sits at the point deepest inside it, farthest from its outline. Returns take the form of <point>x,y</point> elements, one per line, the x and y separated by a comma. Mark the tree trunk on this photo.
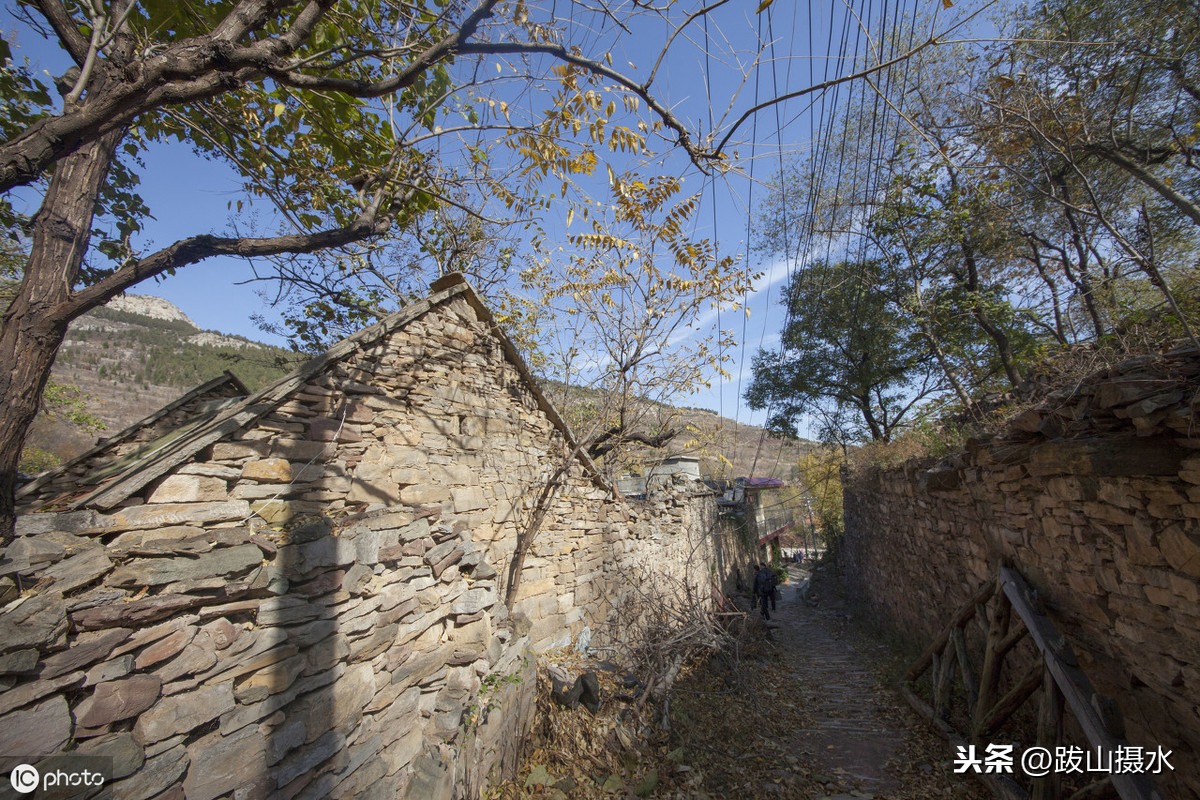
<point>980,313</point>
<point>36,321</point>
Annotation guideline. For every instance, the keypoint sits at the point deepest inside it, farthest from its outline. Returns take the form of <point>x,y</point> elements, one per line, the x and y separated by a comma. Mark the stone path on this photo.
<point>850,739</point>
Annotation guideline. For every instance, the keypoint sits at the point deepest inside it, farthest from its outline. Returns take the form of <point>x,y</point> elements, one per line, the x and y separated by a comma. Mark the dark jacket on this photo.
<point>764,581</point>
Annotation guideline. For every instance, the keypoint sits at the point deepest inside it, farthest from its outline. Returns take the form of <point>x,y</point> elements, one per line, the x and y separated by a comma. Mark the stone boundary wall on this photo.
<point>1094,497</point>
<point>312,605</point>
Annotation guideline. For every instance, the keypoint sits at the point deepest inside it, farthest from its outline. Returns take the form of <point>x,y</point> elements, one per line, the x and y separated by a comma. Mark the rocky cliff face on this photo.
<point>147,306</point>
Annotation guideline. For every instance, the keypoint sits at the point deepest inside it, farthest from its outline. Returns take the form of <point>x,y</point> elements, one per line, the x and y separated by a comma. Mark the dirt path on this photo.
<point>858,741</point>
<point>802,711</point>
<point>850,737</point>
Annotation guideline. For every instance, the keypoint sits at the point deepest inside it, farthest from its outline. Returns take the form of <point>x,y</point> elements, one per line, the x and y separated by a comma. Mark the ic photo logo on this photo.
<point>24,778</point>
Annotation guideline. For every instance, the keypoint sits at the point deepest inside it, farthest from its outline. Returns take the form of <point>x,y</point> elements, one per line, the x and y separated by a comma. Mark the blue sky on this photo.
<point>188,195</point>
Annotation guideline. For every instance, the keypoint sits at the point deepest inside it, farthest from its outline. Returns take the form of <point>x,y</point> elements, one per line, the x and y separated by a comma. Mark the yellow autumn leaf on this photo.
<point>279,109</point>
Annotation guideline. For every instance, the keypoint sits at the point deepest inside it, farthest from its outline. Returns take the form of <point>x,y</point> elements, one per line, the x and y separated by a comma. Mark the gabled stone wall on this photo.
<point>64,483</point>
<point>1095,498</point>
<point>312,605</point>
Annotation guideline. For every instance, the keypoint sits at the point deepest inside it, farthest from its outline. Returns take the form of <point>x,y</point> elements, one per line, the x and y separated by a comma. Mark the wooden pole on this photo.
<point>989,679</point>
<point>1049,736</point>
<point>959,619</point>
<point>965,672</point>
<point>1008,704</point>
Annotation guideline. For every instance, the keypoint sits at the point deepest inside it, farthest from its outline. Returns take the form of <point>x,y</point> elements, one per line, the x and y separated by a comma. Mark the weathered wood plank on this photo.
<point>1074,684</point>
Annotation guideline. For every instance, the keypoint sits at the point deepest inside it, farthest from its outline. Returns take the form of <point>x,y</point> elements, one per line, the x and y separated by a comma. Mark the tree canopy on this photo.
<point>1026,196</point>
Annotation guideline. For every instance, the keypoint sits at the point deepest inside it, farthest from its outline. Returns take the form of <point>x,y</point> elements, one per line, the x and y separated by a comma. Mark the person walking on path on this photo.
<point>764,587</point>
<point>772,584</point>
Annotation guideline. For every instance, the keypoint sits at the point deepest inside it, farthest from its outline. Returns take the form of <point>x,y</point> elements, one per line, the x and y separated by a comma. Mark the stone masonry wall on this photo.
<point>1095,498</point>
<point>312,606</point>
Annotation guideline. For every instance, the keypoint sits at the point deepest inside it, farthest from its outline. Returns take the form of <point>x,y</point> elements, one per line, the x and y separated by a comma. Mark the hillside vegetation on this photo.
<point>128,365</point>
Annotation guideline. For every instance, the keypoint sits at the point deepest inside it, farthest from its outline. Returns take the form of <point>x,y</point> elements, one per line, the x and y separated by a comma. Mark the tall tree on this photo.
<point>847,345</point>
<point>1108,95</point>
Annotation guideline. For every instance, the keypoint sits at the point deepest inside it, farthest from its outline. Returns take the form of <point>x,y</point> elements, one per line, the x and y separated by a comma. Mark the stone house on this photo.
<point>314,590</point>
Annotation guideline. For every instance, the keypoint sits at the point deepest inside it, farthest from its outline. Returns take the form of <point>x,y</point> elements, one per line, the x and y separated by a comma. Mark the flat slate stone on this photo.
<point>79,569</point>
<point>119,699</point>
<point>199,655</point>
<point>38,622</point>
<point>157,774</point>
<point>183,713</point>
<point>139,612</point>
<point>110,670</point>
<point>69,521</point>
<point>159,571</point>
<point>147,635</point>
<point>88,648</point>
<point>168,514</point>
<point>33,733</point>
<point>19,662</point>
<point>126,754</point>
<point>302,761</point>
<point>165,648</point>
<point>27,693</point>
<point>221,764</point>
<point>35,550</point>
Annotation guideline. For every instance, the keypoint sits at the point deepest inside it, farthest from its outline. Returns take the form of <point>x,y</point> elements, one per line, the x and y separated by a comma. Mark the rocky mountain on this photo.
<point>148,306</point>
<point>134,356</point>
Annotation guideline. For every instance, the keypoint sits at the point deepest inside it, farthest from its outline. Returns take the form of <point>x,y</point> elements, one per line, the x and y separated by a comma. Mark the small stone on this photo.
<point>110,670</point>
<point>223,633</point>
<point>269,470</point>
<point>1180,549</point>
